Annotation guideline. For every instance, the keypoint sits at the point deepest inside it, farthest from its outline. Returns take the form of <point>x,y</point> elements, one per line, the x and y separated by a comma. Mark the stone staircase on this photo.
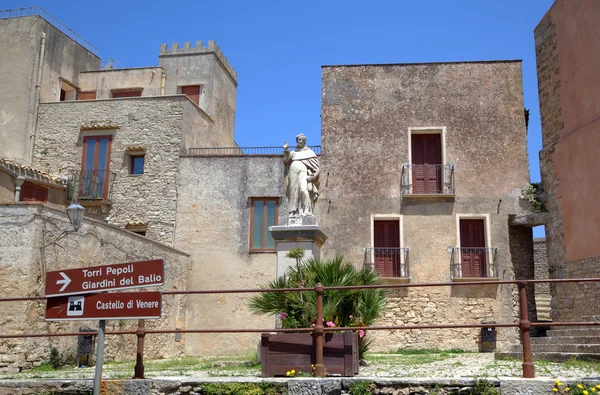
<point>560,345</point>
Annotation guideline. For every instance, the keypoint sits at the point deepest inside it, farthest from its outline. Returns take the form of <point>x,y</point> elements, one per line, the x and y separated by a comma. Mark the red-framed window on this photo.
<point>33,193</point>
<point>95,167</point>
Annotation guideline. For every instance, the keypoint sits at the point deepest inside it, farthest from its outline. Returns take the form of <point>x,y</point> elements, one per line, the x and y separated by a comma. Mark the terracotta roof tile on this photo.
<point>31,173</point>
<point>94,125</point>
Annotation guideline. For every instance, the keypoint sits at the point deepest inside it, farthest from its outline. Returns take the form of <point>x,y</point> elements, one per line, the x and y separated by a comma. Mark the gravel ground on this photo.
<point>466,365</point>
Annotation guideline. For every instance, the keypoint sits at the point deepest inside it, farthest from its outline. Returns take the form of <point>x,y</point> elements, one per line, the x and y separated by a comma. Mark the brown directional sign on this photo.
<point>105,278</point>
<point>105,306</point>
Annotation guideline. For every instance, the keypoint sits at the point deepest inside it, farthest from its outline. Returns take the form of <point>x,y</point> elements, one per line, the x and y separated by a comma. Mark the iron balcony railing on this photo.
<point>427,179</point>
<point>31,11</point>
<point>472,262</point>
<point>90,184</point>
<point>388,261</point>
<point>242,151</point>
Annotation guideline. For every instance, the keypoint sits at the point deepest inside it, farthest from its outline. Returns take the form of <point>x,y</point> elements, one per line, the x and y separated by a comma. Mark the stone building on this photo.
<point>423,166</point>
<point>568,56</point>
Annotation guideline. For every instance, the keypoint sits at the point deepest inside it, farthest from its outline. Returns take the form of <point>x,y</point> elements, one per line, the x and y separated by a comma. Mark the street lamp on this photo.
<point>75,214</point>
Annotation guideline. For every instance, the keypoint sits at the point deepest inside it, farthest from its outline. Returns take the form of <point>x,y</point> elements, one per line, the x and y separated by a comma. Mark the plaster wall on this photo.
<point>155,123</point>
<point>20,42</point>
<point>206,66</point>
<point>366,115</point>
<point>213,224</point>
<point>33,243</point>
<point>105,81</point>
<point>7,188</point>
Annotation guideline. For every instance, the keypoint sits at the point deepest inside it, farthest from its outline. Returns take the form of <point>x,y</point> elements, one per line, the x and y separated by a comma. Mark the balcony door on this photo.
<point>427,168</point>
<point>472,248</point>
<point>95,169</point>
<point>387,248</point>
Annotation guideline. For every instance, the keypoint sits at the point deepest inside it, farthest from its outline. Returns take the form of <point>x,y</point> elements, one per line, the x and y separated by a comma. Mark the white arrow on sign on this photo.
<point>65,281</point>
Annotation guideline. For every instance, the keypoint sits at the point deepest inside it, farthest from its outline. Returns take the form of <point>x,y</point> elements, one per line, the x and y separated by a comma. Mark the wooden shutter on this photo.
<point>90,95</point>
<point>472,247</point>
<point>193,92</point>
<point>427,160</point>
<point>131,93</point>
<point>387,252</point>
<point>33,193</point>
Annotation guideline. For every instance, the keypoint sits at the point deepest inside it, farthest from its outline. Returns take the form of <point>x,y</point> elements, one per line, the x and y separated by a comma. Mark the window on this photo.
<point>68,91</point>
<point>263,213</point>
<point>96,164</point>
<point>127,93</point>
<point>386,240</point>
<point>426,163</point>
<point>193,92</point>
<point>89,95</point>
<point>137,164</point>
<point>33,193</point>
<point>472,248</point>
<point>137,228</point>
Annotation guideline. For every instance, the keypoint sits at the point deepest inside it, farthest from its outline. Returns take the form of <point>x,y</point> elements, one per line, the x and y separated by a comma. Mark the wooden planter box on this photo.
<point>282,352</point>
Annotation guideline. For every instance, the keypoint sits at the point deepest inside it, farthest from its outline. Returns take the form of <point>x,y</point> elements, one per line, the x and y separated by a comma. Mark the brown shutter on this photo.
<point>193,92</point>
<point>131,93</point>
<point>426,160</point>
<point>387,254</point>
<point>418,161</point>
<point>89,95</point>
<point>33,193</point>
<point>472,244</point>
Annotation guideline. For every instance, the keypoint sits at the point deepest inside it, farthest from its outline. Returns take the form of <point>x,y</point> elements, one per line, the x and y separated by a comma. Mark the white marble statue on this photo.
<point>301,178</point>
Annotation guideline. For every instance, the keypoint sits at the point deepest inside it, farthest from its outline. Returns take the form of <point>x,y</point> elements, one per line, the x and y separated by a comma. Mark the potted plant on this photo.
<point>341,308</point>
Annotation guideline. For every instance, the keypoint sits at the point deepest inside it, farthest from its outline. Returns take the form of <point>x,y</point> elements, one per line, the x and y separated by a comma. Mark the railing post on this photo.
<point>139,359</point>
<point>525,326</point>
<point>319,331</point>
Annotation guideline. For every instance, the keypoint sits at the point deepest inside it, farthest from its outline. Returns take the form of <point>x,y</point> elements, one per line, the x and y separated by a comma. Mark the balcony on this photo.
<point>471,263</point>
<point>388,262</point>
<point>90,185</point>
<point>427,180</point>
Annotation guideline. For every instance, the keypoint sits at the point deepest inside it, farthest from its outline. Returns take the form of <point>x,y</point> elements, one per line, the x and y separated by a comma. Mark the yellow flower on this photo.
<point>287,373</point>
<point>293,371</point>
<point>558,383</point>
<point>593,389</point>
<point>579,386</point>
<point>555,389</point>
<point>585,392</point>
<point>598,386</point>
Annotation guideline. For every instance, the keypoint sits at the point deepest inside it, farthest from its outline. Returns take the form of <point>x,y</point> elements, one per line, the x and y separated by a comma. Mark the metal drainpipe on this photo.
<point>163,80</point>
<point>36,103</point>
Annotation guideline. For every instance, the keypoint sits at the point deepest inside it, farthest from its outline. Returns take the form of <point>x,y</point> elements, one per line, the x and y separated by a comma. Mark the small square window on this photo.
<point>263,213</point>
<point>137,164</point>
<point>137,228</point>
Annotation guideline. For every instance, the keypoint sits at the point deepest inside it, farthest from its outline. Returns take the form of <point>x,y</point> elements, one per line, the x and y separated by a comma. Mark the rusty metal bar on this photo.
<point>319,331</point>
<point>525,326</point>
<point>139,357</point>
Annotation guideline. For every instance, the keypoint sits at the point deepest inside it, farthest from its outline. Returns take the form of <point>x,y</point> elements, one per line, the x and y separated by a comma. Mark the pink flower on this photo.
<point>329,323</point>
<point>350,316</point>
<point>361,333</point>
<point>283,315</point>
<point>313,324</point>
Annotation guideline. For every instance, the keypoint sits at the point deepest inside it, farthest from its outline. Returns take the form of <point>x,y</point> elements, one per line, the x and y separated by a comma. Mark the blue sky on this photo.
<point>278,47</point>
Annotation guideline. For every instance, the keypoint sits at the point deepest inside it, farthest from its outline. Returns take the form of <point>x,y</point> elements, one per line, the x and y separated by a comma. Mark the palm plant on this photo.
<point>343,308</point>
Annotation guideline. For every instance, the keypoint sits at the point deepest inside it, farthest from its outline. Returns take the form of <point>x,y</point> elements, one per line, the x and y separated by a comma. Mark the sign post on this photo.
<point>74,295</point>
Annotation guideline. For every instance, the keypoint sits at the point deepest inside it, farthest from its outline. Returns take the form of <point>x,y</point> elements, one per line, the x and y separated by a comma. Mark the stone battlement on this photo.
<point>199,48</point>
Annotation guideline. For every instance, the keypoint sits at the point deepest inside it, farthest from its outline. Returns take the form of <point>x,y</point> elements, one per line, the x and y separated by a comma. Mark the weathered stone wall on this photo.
<point>155,123</point>
<point>567,58</point>
<point>366,114</point>
<point>7,188</point>
<point>213,224</point>
<point>20,42</point>
<point>105,81</point>
<point>34,242</point>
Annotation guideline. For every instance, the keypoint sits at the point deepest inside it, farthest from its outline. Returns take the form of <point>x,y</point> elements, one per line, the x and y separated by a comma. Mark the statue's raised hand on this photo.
<point>285,146</point>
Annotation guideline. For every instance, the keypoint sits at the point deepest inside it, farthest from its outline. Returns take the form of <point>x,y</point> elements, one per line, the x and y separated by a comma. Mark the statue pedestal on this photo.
<point>309,237</point>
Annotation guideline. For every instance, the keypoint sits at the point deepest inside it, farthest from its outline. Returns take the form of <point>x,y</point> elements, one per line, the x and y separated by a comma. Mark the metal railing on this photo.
<point>242,151</point>
<point>32,11</point>
<point>427,179</point>
<point>388,261</point>
<point>471,262</point>
<point>319,330</point>
<point>90,184</point>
